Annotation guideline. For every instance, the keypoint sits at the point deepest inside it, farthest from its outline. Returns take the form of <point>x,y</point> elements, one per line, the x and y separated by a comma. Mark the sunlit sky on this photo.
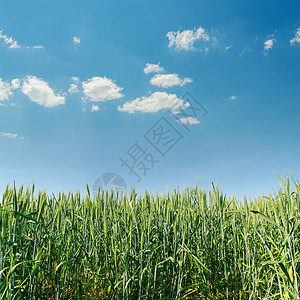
<point>166,94</point>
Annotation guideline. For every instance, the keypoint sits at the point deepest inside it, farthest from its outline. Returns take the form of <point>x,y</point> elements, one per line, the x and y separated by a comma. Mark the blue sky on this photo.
<point>82,82</point>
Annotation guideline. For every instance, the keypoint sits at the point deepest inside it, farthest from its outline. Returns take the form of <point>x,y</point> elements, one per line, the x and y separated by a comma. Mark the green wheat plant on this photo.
<point>181,245</point>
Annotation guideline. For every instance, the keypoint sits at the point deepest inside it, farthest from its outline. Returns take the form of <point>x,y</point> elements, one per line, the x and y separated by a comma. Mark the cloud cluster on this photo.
<point>76,40</point>
<point>5,90</point>
<point>74,88</point>
<point>35,88</point>
<point>9,41</point>
<point>13,44</point>
<point>95,89</point>
<point>161,100</point>
<point>8,135</point>
<point>188,121</point>
<point>95,108</point>
<point>152,68</point>
<point>185,40</point>
<point>100,89</point>
<point>168,80</point>
<point>153,103</point>
<point>39,92</point>
<point>268,44</point>
<point>296,38</point>
<point>15,84</point>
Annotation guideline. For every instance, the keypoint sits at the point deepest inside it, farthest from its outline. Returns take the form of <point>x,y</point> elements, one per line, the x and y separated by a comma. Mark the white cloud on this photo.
<point>76,40</point>
<point>228,47</point>
<point>188,121</point>
<point>152,68</point>
<point>233,97</point>
<point>38,47</point>
<point>15,84</point>
<point>175,110</point>
<point>269,44</point>
<point>73,88</point>
<point>8,135</point>
<point>168,80</point>
<point>5,90</point>
<point>296,38</point>
<point>39,92</point>
<point>14,44</point>
<point>75,79</point>
<point>100,89</point>
<point>95,108</point>
<point>185,40</point>
<point>9,41</point>
<point>154,103</point>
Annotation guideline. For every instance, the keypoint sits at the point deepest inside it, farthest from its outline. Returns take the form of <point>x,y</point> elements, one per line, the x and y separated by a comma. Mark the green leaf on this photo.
<point>283,268</point>
<point>279,177</point>
<point>265,217</point>
<point>28,217</point>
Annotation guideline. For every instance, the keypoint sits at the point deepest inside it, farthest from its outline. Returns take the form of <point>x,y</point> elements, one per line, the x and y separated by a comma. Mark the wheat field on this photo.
<point>181,245</point>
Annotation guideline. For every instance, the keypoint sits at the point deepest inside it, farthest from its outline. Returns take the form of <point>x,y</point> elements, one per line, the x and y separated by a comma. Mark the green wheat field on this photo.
<point>181,245</point>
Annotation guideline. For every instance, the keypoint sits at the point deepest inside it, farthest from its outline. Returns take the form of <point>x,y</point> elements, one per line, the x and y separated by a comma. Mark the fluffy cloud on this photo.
<point>100,89</point>
<point>269,44</point>
<point>15,84</point>
<point>152,68</point>
<point>154,103</point>
<point>168,80</point>
<point>76,40</point>
<point>75,79</point>
<point>296,38</point>
<point>185,40</point>
<point>95,108</point>
<point>39,92</point>
<point>73,88</point>
<point>188,121</point>
<point>8,135</point>
<point>9,41</point>
<point>5,90</point>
